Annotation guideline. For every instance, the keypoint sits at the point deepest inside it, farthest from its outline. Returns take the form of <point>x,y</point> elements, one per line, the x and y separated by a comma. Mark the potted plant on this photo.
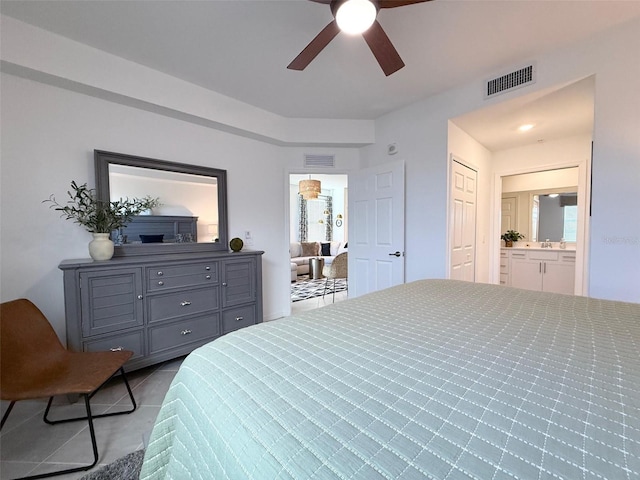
<point>511,236</point>
<point>99,217</point>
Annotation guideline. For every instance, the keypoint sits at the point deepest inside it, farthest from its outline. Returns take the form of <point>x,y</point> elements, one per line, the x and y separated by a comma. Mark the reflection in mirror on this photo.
<point>192,214</point>
<point>554,216</point>
<point>180,194</point>
<point>541,205</point>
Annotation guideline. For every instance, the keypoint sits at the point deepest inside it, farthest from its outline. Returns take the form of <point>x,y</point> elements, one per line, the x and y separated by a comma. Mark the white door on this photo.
<point>463,222</point>
<point>376,228</point>
<point>508,214</point>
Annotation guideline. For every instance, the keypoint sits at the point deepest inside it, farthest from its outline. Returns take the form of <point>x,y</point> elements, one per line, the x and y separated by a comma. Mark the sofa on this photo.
<point>301,252</point>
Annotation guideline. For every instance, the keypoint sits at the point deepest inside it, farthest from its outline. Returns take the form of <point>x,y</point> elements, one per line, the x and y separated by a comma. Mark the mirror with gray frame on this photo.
<point>191,217</point>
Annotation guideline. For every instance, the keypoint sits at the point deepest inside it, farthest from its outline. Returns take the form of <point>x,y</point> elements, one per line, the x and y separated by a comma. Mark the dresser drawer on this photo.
<point>238,318</point>
<point>164,277</point>
<point>188,302</point>
<point>197,330</point>
<point>133,341</point>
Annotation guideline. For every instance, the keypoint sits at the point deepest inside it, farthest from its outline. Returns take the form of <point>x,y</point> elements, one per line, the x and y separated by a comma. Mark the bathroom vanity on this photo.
<point>541,269</point>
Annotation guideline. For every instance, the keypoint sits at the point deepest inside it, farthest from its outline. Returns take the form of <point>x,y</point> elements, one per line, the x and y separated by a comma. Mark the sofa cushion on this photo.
<point>295,249</point>
<point>309,249</point>
<point>325,249</point>
<point>334,248</point>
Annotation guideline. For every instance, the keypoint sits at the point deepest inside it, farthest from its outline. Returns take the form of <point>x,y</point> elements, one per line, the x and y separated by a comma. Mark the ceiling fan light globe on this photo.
<point>356,16</point>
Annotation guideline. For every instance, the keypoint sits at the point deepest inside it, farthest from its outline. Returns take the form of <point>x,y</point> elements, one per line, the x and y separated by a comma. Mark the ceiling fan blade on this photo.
<point>395,3</point>
<point>383,49</point>
<point>312,50</point>
<point>326,2</point>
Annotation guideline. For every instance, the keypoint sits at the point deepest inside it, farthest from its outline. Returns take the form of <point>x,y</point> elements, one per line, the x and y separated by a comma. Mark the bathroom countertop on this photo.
<point>570,248</point>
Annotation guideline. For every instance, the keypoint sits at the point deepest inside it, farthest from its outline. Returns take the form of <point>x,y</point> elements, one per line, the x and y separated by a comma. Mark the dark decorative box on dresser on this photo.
<point>160,306</point>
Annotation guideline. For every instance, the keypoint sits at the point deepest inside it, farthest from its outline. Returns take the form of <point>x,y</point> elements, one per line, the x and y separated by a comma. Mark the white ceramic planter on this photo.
<point>101,247</point>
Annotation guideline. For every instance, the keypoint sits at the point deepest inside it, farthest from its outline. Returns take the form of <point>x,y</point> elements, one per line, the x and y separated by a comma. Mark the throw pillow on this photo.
<point>309,249</point>
<point>325,249</point>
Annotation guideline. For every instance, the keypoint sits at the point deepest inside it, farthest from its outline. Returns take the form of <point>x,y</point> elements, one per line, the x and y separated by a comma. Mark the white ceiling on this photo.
<point>241,48</point>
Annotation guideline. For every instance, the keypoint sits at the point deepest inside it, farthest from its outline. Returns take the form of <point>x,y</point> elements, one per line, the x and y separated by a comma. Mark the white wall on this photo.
<point>49,134</point>
<point>48,138</point>
<point>560,178</point>
<point>420,132</point>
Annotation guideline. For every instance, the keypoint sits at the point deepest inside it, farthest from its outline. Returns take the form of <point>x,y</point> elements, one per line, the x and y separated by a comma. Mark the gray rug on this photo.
<point>125,468</point>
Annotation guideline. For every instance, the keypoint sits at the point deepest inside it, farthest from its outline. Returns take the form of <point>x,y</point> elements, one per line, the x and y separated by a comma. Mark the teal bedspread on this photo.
<point>433,379</point>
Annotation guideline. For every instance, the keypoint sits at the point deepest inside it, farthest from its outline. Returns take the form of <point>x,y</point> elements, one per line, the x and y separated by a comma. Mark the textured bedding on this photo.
<point>432,379</point>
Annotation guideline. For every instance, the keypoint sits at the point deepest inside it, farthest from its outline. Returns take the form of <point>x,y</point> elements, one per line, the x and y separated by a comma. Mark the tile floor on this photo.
<point>28,446</point>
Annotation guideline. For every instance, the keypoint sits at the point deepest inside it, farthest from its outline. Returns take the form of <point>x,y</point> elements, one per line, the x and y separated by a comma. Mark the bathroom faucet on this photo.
<point>546,244</point>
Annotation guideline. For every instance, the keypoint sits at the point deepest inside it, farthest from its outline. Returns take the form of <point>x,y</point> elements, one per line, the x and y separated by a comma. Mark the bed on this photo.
<point>433,379</point>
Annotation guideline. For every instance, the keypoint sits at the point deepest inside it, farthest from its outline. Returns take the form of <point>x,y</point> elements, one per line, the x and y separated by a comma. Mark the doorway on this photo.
<point>322,221</point>
<point>566,188</point>
<point>542,130</point>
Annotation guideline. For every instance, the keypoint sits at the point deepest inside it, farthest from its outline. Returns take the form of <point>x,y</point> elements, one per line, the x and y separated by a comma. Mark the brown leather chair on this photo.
<point>34,364</point>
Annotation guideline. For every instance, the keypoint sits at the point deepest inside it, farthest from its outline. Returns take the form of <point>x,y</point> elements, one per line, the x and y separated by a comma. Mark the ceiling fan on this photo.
<point>363,13</point>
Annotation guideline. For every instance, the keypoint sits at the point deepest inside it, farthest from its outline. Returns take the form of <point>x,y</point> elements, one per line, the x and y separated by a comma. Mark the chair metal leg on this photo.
<point>65,420</point>
<point>334,291</point>
<point>89,417</point>
<point>6,414</point>
<point>94,444</point>
<point>325,286</point>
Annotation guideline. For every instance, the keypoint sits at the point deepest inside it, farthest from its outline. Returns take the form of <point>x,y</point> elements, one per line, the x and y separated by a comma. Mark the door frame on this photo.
<point>582,237</point>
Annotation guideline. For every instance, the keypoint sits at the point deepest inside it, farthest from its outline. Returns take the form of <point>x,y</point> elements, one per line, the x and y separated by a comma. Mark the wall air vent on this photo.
<point>519,78</point>
<point>319,161</point>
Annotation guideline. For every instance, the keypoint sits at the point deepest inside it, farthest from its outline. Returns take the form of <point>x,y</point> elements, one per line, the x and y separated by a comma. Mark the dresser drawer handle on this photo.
<point>239,319</point>
<point>116,349</point>
<point>208,277</point>
<point>160,283</point>
<point>207,267</point>
<point>185,332</point>
<point>224,284</point>
<point>185,303</point>
<point>160,274</point>
<point>139,297</point>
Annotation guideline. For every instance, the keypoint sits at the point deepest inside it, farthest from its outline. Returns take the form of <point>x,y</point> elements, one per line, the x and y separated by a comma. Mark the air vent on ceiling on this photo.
<point>509,81</point>
<point>315,161</point>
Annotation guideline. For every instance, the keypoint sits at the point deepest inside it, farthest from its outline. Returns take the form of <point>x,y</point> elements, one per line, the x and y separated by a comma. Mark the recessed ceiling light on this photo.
<point>526,127</point>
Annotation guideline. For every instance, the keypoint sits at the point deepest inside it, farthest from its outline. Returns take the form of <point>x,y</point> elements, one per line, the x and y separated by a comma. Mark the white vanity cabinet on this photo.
<point>541,270</point>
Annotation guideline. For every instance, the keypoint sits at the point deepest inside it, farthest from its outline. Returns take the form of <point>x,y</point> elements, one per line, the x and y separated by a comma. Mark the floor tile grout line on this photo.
<point>39,413</point>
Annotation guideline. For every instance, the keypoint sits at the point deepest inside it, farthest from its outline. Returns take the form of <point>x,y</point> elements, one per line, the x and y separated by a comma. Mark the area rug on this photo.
<point>304,288</point>
<point>124,468</point>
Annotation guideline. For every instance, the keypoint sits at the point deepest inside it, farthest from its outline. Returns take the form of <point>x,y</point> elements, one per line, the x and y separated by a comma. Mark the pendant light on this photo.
<point>309,189</point>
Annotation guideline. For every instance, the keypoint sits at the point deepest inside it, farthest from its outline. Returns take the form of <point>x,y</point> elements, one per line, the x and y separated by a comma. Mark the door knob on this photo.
<point>396,254</point>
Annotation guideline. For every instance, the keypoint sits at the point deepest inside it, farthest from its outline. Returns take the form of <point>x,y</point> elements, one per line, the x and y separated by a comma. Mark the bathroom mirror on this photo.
<point>192,216</point>
<point>543,214</point>
<point>541,205</point>
<point>554,216</point>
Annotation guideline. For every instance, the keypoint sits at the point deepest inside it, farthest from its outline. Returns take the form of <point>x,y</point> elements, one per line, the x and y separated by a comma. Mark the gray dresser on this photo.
<point>160,306</point>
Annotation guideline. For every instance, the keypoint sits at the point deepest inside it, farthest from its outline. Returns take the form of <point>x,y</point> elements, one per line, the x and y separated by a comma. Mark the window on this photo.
<point>570,229</point>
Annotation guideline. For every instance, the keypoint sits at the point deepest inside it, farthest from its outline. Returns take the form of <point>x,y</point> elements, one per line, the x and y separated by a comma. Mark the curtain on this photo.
<point>328,225</point>
<point>303,221</point>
